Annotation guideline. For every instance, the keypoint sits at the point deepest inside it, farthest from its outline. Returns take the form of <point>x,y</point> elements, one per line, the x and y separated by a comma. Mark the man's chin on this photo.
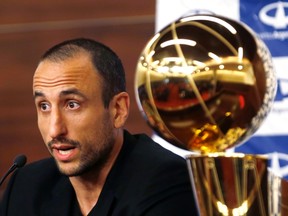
<point>69,170</point>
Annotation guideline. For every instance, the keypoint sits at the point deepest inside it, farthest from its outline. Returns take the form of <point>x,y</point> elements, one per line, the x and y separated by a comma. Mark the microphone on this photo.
<point>19,161</point>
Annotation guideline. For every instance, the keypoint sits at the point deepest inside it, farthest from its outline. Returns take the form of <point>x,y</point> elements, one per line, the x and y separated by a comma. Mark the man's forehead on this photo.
<point>76,72</point>
<point>69,70</point>
<point>62,93</point>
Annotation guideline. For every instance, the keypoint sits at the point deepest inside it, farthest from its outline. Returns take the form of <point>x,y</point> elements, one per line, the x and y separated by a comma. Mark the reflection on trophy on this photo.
<point>205,83</point>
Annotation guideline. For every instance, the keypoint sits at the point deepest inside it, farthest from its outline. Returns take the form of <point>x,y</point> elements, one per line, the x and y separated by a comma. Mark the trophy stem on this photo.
<point>227,185</point>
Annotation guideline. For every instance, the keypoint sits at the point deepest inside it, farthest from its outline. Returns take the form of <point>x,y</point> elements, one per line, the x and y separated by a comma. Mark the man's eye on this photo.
<point>44,106</point>
<point>73,105</point>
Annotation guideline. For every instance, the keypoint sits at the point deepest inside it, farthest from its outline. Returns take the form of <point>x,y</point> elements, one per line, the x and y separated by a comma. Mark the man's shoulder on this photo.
<point>37,176</point>
<point>32,186</point>
<point>150,177</point>
<point>145,147</point>
<point>42,170</point>
<point>142,153</point>
<point>43,164</point>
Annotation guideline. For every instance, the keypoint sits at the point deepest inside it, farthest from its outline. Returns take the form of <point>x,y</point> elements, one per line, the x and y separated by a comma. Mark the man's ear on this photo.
<point>120,109</point>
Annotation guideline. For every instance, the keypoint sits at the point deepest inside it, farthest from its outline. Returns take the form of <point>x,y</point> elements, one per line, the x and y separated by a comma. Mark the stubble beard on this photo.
<point>92,160</point>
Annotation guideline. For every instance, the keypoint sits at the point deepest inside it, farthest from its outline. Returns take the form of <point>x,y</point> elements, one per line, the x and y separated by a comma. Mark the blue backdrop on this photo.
<point>269,19</point>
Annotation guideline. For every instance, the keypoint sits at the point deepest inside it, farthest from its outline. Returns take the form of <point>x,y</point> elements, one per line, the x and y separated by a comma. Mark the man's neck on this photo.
<point>88,186</point>
<point>88,191</point>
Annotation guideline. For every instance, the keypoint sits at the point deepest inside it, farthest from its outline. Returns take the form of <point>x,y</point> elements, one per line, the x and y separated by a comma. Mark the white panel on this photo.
<point>168,11</point>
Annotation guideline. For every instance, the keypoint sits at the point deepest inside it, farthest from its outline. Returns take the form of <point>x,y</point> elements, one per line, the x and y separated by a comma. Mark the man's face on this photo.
<point>73,122</point>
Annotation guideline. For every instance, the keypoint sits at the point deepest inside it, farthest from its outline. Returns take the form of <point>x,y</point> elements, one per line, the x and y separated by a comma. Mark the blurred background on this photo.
<point>28,28</point>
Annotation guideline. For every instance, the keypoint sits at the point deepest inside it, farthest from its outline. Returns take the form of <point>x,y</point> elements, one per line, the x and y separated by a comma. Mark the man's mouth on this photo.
<point>64,152</point>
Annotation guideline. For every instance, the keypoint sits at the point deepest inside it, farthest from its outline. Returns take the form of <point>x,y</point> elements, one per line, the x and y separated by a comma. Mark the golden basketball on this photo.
<point>205,83</point>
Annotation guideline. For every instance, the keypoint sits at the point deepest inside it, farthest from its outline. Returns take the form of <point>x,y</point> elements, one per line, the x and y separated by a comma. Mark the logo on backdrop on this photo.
<point>274,15</point>
<point>279,163</point>
<point>269,19</point>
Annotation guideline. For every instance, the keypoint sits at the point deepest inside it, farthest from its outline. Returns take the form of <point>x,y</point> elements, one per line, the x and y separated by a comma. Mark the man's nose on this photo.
<point>57,126</point>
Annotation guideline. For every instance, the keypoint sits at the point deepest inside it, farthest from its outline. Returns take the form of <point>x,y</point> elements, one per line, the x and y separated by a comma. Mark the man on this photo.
<point>97,167</point>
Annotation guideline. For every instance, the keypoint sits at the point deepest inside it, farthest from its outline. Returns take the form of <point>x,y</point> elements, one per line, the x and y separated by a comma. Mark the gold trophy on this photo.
<point>205,83</point>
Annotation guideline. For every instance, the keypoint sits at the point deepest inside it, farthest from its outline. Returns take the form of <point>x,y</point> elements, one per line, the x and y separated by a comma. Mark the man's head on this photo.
<point>106,62</point>
<point>79,91</point>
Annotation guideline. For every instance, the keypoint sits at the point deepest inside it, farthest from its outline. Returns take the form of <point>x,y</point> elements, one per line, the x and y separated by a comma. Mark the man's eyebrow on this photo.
<point>38,94</point>
<point>72,91</point>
